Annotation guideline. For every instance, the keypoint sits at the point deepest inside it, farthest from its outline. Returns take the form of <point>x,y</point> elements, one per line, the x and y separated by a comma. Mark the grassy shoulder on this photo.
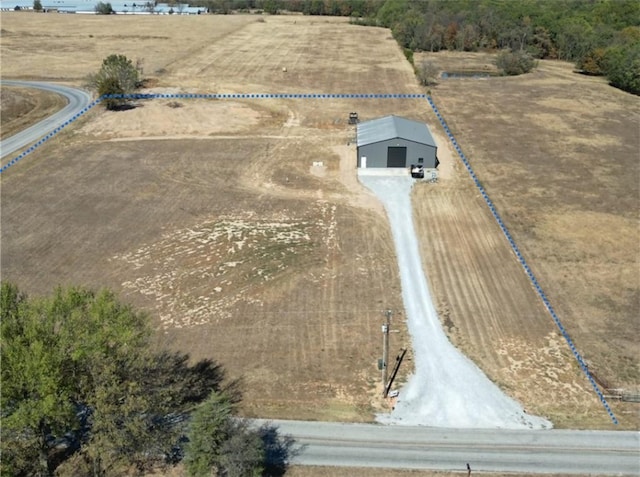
<point>23,107</point>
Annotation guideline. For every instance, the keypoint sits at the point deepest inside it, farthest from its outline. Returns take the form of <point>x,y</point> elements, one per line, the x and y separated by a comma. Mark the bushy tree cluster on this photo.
<point>103,8</point>
<point>83,394</point>
<point>224,444</point>
<point>619,61</point>
<point>354,8</point>
<point>117,76</point>
<point>515,62</point>
<point>601,37</point>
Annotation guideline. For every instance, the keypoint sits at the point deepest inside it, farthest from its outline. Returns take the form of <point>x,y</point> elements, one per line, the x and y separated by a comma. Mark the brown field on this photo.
<point>211,215</point>
<point>22,107</point>
<point>558,154</point>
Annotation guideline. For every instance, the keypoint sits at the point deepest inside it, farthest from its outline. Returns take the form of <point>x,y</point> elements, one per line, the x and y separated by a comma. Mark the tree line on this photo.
<point>601,37</point>
<point>84,394</point>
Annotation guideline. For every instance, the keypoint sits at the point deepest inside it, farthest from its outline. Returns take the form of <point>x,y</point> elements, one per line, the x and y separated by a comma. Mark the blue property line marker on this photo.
<point>524,264</point>
<point>212,96</point>
<point>492,208</point>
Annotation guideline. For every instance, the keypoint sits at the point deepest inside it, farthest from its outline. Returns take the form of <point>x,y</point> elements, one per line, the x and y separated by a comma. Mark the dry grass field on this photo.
<point>211,214</point>
<point>22,107</point>
<point>558,154</point>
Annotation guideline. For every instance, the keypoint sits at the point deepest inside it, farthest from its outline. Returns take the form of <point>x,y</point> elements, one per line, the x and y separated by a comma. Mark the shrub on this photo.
<point>103,8</point>
<point>514,63</point>
<point>111,86</point>
<point>408,53</point>
<point>427,73</point>
<point>593,63</point>
<point>117,76</point>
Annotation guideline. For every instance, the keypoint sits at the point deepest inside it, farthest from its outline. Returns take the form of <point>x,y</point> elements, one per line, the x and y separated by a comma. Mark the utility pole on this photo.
<point>385,350</point>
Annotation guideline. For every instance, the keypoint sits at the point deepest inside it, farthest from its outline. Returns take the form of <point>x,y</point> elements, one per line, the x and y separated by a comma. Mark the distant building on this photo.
<point>121,7</point>
<point>393,141</point>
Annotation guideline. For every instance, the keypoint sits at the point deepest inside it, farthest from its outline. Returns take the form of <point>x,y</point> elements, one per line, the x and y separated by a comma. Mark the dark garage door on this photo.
<point>396,157</point>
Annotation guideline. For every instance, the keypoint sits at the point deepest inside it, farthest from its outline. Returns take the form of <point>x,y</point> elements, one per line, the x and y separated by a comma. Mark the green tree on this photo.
<point>110,89</point>
<point>77,371</point>
<point>117,77</point>
<point>392,12</point>
<point>221,444</point>
<point>53,350</point>
<point>574,39</point>
<point>242,453</point>
<point>272,7</point>
<point>207,433</point>
<point>622,67</point>
<point>37,5</point>
<point>103,8</point>
<point>36,394</point>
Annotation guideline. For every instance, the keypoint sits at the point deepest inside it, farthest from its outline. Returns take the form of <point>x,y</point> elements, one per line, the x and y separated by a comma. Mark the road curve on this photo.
<point>491,450</point>
<point>78,100</point>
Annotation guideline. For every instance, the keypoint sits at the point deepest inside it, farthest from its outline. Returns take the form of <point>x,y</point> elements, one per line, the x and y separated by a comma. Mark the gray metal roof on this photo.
<point>392,127</point>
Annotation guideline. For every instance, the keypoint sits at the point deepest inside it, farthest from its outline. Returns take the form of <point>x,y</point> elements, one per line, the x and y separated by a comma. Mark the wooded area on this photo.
<point>82,394</point>
<point>601,37</point>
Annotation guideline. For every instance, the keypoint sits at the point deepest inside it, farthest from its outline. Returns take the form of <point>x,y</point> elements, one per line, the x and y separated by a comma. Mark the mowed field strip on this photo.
<point>211,216</point>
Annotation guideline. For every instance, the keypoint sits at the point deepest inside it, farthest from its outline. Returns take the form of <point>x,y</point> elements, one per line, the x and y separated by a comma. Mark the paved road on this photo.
<point>78,100</point>
<point>408,447</point>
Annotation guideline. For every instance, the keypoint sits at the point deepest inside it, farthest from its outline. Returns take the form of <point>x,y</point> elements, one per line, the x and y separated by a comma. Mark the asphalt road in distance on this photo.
<point>78,100</point>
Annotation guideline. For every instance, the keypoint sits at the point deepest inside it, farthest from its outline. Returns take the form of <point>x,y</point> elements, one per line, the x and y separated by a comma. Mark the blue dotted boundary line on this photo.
<point>211,96</point>
<point>49,135</point>
<point>522,261</point>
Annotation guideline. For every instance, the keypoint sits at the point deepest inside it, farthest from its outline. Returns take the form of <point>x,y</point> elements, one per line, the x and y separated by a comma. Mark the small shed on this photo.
<point>393,141</point>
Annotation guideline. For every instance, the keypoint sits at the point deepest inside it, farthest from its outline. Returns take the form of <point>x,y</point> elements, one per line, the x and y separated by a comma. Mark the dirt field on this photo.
<point>240,248</point>
<point>557,153</point>
<point>212,216</point>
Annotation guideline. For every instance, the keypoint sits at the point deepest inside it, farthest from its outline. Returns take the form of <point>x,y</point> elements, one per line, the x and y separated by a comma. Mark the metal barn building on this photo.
<point>393,141</point>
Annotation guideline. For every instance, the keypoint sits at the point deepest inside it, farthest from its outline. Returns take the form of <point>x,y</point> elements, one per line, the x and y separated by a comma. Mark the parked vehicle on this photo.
<point>417,171</point>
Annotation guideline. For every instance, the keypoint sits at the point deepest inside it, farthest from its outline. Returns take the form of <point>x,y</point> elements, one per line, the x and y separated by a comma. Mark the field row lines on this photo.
<point>492,208</point>
<point>523,262</point>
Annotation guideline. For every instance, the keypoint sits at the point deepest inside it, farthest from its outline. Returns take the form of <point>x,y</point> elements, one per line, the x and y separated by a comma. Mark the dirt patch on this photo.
<point>177,118</point>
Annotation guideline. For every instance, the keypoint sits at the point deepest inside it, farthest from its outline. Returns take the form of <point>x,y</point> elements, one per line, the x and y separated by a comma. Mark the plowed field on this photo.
<point>240,226</point>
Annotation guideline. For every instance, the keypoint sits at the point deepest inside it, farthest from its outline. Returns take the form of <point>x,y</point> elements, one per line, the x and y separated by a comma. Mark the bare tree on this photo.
<point>427,73</point>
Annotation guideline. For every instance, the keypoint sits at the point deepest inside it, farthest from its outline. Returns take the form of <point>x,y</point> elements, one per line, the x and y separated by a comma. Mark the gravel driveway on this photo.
<point>447,389</point>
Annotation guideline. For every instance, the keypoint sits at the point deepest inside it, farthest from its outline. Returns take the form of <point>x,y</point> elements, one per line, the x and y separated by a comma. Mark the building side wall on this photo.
<point>376,154</point>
